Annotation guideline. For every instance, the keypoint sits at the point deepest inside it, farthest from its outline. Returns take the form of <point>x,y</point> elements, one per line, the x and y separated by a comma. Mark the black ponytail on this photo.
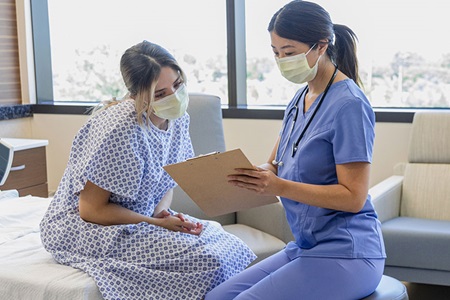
<point>343,52</point>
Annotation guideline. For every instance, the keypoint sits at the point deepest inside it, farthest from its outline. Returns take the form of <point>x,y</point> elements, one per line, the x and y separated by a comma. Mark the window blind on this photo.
<point>10,90</point>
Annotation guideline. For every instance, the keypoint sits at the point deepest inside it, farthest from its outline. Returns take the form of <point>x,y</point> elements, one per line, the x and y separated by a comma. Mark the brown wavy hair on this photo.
<point>141,66</point>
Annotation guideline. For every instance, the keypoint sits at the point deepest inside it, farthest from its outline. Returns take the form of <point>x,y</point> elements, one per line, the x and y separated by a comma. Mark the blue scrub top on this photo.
<point>341,132</point>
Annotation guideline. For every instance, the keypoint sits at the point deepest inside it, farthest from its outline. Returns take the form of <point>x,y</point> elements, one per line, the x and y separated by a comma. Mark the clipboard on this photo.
<point>204,179</point>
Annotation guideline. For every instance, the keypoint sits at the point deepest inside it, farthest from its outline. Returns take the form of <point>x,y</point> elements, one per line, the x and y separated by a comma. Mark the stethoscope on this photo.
<point>294,149</point>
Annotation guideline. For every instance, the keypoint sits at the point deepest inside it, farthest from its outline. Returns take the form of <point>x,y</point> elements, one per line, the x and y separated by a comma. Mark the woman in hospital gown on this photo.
<point>111,216</point>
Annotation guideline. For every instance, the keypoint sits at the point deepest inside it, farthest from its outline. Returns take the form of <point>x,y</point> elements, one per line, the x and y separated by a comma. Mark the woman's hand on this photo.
<point>261,181</point>
<point>178,222</point>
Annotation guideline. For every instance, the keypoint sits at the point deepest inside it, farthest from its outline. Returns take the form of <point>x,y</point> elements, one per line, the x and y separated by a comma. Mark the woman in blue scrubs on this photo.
<point>319,167</point>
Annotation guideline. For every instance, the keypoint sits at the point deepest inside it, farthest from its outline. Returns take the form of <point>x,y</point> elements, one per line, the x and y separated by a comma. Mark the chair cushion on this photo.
<point>430,138</point>
<point>389,289</point>
<point>425,191</point>
<point>261,243</point>
<point>206,127</point>
<point>417,243</point>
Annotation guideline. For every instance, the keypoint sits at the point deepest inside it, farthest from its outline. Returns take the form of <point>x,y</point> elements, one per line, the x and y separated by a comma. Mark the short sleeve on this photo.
<point>115,165</point>
<point>106,152</point>
<point>353,132</point>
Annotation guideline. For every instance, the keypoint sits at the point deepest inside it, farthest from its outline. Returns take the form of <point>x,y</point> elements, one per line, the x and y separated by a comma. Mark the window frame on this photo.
<point>236,108</point>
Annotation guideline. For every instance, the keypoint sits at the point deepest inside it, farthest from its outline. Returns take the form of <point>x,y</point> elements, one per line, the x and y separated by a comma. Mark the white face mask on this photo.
<point>173,106</point>
<point>296,68</point>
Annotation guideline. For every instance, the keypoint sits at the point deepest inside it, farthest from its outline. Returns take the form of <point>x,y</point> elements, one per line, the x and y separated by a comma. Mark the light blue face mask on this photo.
<point>296,68</point>
<point>173,106</point>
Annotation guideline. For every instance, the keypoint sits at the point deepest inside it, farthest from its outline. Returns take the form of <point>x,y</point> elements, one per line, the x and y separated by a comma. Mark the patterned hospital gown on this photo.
<point>135,261</point>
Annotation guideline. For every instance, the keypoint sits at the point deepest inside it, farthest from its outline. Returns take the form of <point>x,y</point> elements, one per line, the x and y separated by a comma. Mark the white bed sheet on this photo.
<point>27,271</point>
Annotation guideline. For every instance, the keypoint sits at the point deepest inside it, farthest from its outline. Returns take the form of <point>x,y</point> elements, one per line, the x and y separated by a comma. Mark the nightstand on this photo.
<point>28,173</point>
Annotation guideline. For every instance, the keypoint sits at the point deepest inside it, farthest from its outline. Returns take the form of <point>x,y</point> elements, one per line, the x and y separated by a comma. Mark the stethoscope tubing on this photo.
<point>294,120</point>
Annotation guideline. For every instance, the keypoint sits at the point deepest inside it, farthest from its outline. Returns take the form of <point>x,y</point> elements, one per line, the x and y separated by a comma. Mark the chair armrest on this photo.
<point>270,219</point>
<point>386,197</point>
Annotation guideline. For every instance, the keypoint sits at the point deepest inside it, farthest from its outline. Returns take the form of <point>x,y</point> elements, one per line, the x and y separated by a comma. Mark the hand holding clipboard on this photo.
<point>204,179</point>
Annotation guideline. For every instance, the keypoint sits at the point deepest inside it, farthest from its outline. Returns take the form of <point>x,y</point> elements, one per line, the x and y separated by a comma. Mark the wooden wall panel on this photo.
<point>10,90</point>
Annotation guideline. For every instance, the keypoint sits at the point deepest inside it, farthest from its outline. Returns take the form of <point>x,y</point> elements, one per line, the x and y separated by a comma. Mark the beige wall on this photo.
<point>255,137</point>
<point>390,148</point>
<point>16,128</point>
<point>59,130</point>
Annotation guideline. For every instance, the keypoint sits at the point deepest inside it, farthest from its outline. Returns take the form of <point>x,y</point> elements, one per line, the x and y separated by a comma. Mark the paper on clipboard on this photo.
<point>204,179</point>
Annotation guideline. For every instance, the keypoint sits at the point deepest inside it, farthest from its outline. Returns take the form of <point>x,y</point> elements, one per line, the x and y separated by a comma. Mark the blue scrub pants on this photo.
<point>278,277</point>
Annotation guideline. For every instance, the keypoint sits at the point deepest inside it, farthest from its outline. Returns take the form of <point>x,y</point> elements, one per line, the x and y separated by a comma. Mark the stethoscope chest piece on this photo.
<point>277,163</point>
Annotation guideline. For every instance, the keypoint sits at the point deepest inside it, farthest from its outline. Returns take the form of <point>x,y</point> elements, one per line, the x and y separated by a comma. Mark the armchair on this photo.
<point>264,229</point>
<point>414,205</point>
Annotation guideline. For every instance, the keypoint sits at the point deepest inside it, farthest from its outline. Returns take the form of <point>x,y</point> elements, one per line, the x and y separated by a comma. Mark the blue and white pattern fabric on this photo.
<point>135,261</point>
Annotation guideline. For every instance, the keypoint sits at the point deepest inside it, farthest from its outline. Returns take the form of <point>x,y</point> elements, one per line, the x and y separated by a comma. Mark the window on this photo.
<point>265,85</point>
<point>224,47</point>
<point>403,55</point>
<point>88,38</point>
